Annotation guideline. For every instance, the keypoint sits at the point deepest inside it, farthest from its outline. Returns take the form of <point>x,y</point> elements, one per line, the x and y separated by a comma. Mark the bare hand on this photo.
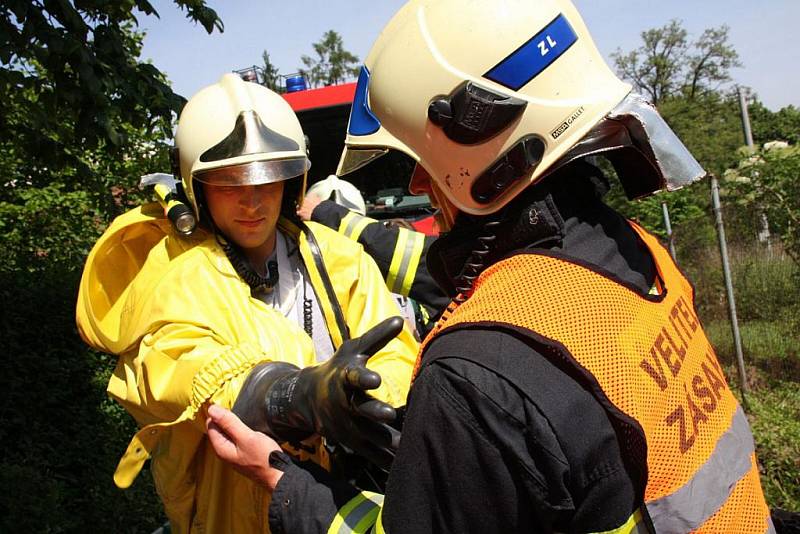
<point>246,450</point>
<point>307,208</point>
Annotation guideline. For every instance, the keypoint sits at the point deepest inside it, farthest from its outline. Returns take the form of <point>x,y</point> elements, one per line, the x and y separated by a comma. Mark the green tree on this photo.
<point>781,125</point>
<point>767,181</point>
<point>82,113</point>
<point>79,60</point>
<point>333,63</point>
<point>272,77</point>
<point>668,64</point>
<point>81,118</point>
<point>709,125</point>
<point>683,78</point>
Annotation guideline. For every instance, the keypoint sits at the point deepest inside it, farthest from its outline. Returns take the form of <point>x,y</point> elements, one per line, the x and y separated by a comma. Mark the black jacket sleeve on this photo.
<point>478,455</point>
<point>306,499</point>
<point>380,242</point>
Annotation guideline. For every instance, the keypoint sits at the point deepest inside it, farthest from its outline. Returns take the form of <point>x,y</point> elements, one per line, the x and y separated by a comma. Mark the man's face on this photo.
<point>422,184</point>
<point>246,214</point>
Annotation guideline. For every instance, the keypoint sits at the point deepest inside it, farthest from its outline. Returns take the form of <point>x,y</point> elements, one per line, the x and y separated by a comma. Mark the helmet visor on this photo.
<point>255,173</point>
<point>353,158</point>
<point>671,158</point>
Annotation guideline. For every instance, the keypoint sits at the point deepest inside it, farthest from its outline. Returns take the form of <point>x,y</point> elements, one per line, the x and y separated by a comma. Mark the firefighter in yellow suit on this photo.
<point>253,311</point>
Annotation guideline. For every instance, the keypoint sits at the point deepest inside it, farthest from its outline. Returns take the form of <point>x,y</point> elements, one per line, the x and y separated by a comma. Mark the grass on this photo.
<point>767,291</point>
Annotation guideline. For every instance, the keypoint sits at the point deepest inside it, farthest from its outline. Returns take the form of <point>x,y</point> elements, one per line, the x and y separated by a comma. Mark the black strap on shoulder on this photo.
<point>316,254</point>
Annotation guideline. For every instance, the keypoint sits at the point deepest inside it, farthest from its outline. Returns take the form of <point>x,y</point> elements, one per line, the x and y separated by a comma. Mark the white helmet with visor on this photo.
<point>490,95</point>
<point>238,133</point>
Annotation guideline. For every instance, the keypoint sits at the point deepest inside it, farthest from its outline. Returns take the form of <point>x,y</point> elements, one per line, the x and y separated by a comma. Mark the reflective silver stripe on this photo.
<point>417,244</point>
<point>690,506</point>
<point>352,221</point>
<point>353,224</point>
<point>770,526</point>
<point>352,521</point>
<point>403,255</point>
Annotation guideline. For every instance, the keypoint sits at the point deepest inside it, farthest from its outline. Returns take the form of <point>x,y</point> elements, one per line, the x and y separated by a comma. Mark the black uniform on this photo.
<point>498,438</point>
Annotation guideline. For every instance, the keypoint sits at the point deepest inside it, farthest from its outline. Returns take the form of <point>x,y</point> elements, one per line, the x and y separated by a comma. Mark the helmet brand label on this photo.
<point>566,123</point>
<point>529,60</point>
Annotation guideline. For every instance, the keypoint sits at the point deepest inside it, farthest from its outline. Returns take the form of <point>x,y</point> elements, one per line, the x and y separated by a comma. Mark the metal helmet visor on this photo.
<point>255,173</point>
<point>353,158</point>
<point>669,155</point>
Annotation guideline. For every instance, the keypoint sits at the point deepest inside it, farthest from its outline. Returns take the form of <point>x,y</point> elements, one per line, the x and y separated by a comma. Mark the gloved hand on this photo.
<point>329,399</point>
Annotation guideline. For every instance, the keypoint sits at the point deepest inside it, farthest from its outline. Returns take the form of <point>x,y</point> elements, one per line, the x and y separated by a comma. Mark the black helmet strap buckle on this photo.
<point>473,114</point>
<point>517,163</point>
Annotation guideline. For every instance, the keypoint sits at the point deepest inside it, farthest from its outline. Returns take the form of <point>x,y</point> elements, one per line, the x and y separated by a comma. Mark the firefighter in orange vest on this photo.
<point>569,386</point>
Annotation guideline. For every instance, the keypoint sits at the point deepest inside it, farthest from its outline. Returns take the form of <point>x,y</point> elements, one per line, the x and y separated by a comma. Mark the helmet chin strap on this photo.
<point>536,218</point>
<point>258,284</point>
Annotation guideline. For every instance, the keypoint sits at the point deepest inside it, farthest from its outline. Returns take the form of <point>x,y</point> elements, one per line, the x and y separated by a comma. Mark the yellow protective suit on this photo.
<point>187,333</point>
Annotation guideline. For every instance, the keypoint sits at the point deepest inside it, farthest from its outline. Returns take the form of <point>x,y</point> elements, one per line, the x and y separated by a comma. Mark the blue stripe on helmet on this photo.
<point>362,121</point>
<point>530,59</point>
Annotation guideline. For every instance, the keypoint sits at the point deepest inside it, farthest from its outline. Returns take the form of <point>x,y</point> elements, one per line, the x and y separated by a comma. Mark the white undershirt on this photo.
<point>292,288</point>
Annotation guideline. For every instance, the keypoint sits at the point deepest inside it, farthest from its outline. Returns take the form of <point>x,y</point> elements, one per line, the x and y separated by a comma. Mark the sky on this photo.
<point>764,33</point>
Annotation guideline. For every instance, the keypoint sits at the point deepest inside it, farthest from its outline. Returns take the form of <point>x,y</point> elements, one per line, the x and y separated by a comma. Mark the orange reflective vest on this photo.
<point>649,363</point>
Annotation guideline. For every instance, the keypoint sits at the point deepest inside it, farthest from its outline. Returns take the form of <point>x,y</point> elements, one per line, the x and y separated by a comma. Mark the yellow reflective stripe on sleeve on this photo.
<point>405,261</point>
<point>413,262</point>
<point>397,259</point>
<point>353,224</point>
<point>634,525</point>
<point>358,515</point>
<point>378,528</point>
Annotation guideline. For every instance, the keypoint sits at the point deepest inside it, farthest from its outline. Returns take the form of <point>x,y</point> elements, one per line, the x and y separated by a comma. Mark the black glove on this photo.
<point>330,399</point>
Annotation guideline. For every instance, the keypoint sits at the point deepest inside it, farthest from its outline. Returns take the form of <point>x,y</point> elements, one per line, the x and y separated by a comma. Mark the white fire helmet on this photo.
<point>340,191</point>
<point>489,95</point>
<point>238,133</point>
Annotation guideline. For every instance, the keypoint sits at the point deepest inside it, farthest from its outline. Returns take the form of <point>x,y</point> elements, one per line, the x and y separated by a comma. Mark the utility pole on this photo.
<point>726,273</point>
<point>668,226</point>
<point>748,133</point>
<point>763,232</point>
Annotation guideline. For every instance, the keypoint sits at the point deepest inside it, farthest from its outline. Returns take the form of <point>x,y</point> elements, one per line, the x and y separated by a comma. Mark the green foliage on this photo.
<point>271,76</point>
<point>667,64</point>
<point>78,64</point>
<point>333,64</point>
<point>688,211</point>
<point>783,125</point>
<point>775,418</point>
<point>46,227</point>
<point>709,125</point>
<point>60,435</point>
<point>654,67</point>
<point>768,182</point>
